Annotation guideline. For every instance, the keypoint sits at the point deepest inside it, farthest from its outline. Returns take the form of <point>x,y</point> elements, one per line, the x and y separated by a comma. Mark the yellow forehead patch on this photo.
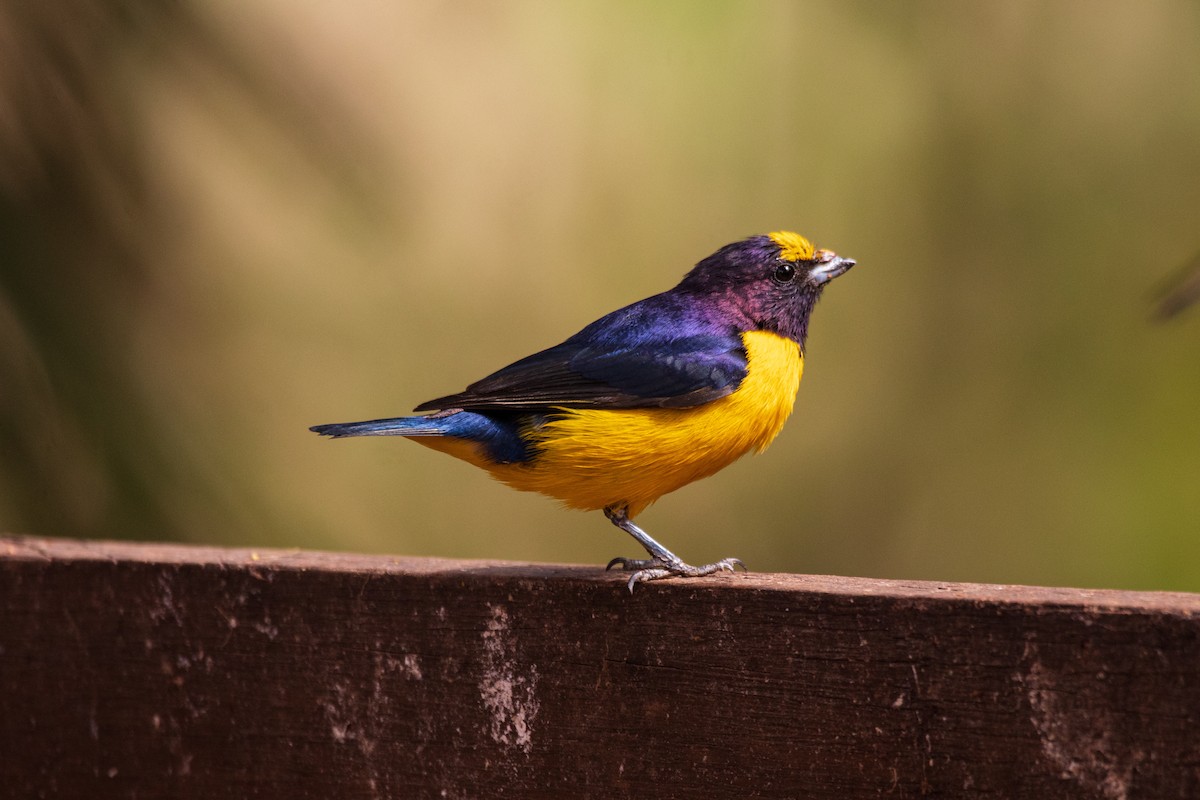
<point>792,246</point>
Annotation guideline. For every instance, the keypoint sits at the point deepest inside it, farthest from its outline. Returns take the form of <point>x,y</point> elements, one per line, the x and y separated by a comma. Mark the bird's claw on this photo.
<point>632,563</point>
<point>652,569</point>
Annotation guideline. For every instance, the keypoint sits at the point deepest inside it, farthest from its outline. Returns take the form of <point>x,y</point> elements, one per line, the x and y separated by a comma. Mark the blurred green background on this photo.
<point>224,222</point>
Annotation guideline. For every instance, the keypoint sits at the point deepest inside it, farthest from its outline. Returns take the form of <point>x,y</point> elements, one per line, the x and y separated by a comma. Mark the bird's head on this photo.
<point>772,282</point>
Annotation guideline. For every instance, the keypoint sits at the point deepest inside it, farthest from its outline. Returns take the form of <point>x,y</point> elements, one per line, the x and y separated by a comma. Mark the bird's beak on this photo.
<point>829,266</point>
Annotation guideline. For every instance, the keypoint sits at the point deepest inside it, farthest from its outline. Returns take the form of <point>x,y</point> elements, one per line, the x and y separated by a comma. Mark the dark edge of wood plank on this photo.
<point>46,548</point>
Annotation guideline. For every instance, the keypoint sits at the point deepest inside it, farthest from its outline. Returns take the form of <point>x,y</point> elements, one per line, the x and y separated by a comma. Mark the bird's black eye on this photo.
<point>784,272</point>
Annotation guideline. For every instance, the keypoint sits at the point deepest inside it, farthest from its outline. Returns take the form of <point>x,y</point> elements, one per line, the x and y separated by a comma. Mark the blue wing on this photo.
<point>649,355</point>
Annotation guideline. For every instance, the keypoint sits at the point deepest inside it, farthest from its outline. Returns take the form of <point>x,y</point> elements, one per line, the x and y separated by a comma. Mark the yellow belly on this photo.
<point>592,459</point>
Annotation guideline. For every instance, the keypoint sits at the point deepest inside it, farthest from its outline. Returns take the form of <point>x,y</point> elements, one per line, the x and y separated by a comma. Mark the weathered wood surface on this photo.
<point>154,671</point>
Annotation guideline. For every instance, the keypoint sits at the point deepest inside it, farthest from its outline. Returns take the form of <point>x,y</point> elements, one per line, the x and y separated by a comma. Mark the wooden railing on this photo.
<point>156,671</point>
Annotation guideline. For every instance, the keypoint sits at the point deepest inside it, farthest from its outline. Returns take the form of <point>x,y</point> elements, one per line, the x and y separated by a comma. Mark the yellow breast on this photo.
<point>593,459</point>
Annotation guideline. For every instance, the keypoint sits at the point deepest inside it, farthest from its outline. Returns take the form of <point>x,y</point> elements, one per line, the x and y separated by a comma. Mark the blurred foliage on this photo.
<point>1180,292</point>
<point>225,222</point>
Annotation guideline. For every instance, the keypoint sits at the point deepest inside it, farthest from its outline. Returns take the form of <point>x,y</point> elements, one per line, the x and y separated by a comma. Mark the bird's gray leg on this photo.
<point>662,562</point>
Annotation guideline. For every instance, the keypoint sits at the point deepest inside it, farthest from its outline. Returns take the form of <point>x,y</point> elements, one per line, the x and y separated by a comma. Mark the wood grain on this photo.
<point>155,671</point>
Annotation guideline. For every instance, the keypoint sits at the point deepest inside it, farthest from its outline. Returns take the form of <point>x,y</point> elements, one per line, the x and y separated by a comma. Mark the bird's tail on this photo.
<point>397,426</point>
<point>500,437</point>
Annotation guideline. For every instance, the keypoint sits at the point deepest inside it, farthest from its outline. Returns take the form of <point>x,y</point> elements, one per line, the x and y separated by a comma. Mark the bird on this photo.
<point>646,399</point>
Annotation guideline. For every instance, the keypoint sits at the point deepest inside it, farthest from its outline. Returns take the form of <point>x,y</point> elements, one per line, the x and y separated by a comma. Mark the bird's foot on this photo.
<point>652,569</point>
